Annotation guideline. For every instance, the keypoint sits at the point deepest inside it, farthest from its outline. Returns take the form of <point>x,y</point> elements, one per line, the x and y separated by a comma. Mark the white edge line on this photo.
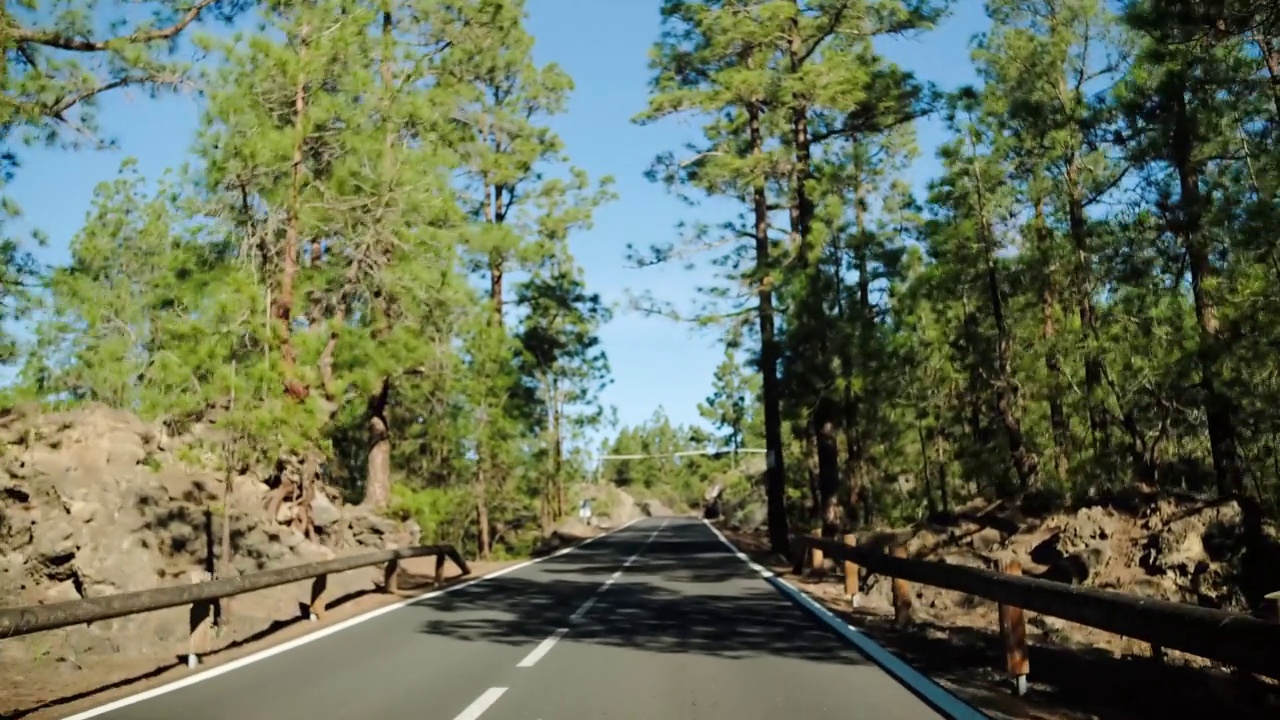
<point>933,693</point>
<point>325,632</point>
<point>482,703</point>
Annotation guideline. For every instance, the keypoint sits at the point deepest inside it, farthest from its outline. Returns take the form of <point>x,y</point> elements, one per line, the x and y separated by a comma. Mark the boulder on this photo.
<point>655,508</point>
<point>1078,551</point>
<point>1193,540</point>
<point>323,512</point>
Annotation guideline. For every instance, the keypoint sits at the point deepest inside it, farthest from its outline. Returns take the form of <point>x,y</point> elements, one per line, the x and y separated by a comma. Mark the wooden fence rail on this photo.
<point>17,621</point>
<point>1235,639</point>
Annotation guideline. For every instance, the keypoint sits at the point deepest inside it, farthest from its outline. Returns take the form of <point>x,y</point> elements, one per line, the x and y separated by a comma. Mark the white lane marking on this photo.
<point>543,648</point>
<point>935,695</point>
<point>324,632</point>
<point>577,614</point>
<point>482,703</point>
<point>580,612</point>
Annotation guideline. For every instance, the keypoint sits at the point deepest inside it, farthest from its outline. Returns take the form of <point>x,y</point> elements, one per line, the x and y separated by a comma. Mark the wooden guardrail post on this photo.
<point>816,558</point>
<point>391,577</point>
<point>439,578</point>
<point>200,641</point>
<point>799,554</point>
<point>1013,631</point>
<point>319,599</point>
<point>1272,602</point>
<point>852,589</point>
<point>901,593</point>
<point>452,553</point>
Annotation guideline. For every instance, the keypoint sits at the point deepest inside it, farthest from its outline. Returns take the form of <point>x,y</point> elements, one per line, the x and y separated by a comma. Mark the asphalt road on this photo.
<point>658,620</point>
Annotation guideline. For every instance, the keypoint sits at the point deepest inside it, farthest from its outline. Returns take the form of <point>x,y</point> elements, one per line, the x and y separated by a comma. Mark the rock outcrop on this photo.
<point>1176,548</point>
<point>95,502</point>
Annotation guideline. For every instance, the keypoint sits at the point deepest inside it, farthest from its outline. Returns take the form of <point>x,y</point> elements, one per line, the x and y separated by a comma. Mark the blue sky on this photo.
<point>603,44</point>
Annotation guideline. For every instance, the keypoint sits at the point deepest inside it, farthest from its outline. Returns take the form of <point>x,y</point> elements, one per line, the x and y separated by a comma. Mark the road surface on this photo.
<point>657,620</point>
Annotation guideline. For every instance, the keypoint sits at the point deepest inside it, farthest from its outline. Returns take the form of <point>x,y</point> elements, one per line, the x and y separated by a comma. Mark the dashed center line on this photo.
<point>577,614</point>
<point>543,648</point>
<point>581,611</point>
<point>490,696</point>
<point>482,703</point>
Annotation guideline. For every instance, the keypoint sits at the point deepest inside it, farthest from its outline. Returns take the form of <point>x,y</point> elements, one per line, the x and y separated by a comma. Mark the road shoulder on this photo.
<point>1066,683</point>
<point>33,691</point>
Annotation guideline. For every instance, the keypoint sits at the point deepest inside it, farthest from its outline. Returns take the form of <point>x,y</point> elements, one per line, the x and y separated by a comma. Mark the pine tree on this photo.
<point>730,406</point>
<point>563,366</point>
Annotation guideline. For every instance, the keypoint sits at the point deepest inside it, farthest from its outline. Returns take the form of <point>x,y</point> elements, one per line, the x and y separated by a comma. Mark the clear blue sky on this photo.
<point>604,45</point>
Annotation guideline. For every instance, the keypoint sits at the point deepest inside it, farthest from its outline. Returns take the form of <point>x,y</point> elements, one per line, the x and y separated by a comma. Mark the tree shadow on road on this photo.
<point>1067,682</point>
<point>72,691</point>
<point>680,596</point>
<point>686,595</point>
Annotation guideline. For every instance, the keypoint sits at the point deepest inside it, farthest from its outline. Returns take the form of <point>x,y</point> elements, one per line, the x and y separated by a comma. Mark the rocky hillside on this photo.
<point>1176,547</point>
<point>1143,542</point>
<point>95,502</point>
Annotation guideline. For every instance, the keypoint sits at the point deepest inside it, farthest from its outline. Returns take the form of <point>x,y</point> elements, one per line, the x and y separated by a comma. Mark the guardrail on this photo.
<point>203,596</point>
<point>1245,642</point>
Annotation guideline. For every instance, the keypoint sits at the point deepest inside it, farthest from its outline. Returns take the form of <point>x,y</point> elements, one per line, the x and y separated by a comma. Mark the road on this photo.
<point>657,620</point>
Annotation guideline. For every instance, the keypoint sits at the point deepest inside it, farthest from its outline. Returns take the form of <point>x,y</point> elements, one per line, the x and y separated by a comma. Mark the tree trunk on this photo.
<point>1025,462</point>
<point>828,467</point>
<point>931,504</point>
<point>1060,429</point>
<point>282,311</point>
<point>776,474</point>
<point>484,461</point>
<point>482,511</point>
<point>377,482</point>
<point>494,215</point>
<point>1088,323</point>
<point>940,458</point>
<point>850,405</point>
<point>1222,431</point>
<point>557,450</point>
<point>975,395</point>
<point>855,449</point>
<point>224,569</point>
<point>326,356</point>
<point>1271,60</point>
<point>811,471</point>
<point>812,305</point>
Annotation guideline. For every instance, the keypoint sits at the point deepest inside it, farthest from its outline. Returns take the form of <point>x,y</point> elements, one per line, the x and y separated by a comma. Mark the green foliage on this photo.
<point>732,407</point>
<point>444,514</point>
<point>665,462</point>
<point>369,258</point>
<point>1078,301</point>
<point>308,286</point>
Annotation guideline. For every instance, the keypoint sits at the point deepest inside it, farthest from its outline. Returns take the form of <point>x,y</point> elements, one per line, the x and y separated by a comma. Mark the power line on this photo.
<point>683,453</point>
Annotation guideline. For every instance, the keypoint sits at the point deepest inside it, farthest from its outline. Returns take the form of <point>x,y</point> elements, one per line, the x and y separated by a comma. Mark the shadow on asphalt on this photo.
<point>1067,682</point>
<point>1087,681</point>
<point>409,584</point>
<point>685,594</point>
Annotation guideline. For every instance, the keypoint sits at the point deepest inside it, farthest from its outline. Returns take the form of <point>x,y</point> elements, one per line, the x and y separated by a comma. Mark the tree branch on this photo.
<point>55,39</point>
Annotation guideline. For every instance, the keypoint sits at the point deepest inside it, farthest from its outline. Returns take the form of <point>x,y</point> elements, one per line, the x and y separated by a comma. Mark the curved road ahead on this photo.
<point>659,620</point>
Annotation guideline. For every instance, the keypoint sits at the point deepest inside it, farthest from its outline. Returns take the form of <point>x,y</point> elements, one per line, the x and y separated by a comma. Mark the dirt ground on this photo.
<point>37,690</point>
<point>1069,680</point>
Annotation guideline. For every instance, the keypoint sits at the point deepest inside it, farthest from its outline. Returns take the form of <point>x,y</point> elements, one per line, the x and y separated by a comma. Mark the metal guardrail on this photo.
<point>18,621</point>
<point>1235,639</point>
